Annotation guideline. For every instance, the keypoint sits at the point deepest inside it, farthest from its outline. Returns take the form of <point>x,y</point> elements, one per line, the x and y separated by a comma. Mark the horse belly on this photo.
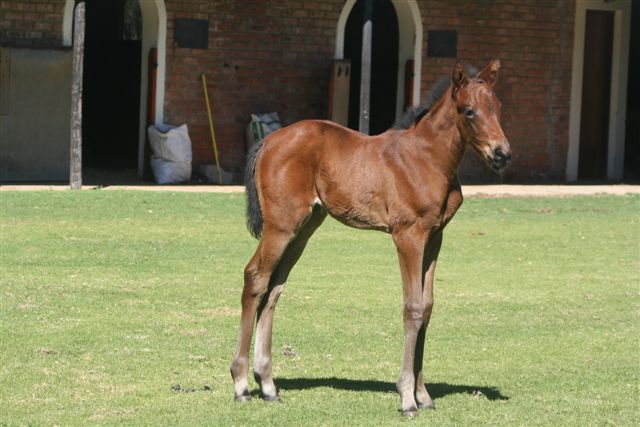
<point>366,217</point>
<point>354,196</point>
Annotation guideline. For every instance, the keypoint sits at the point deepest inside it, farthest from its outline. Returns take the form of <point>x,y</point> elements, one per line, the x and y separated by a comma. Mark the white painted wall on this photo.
<point>154,34</point>
<point>410,41</point>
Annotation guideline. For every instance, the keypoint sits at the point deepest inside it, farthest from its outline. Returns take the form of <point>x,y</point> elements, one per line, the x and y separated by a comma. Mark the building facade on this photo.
<point>277,56</point>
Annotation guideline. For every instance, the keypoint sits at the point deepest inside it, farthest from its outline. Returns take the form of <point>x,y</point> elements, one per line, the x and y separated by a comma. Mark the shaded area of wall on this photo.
<point>35,105</point>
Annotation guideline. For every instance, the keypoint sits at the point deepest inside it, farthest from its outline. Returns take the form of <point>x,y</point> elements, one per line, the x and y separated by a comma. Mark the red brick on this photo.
<point>44,7</point>
<point>14,16</point>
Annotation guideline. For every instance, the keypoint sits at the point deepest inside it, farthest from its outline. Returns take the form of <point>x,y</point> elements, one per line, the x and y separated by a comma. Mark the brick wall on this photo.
<point>275,55</point>
<point>534,41</point>
<point>31,22</point>
<point>263,56</point>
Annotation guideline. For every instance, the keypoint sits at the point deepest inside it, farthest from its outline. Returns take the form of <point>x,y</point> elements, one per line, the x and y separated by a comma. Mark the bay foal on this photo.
<point>403,182</point>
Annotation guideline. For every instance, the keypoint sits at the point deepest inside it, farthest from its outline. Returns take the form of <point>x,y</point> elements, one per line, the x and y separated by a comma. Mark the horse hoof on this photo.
<point>410,413</point>
<point>275,399</point>
<point>242,398</point>
<point>429,405</point>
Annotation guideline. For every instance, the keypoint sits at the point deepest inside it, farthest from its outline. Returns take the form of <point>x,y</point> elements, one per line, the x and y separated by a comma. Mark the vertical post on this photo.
<point>365,76</point>
<point>75,152</point>
<point>151,111</point>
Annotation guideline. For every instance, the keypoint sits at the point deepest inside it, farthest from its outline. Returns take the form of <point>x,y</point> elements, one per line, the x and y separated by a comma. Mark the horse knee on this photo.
<point>413,312</point>
<point>418,312</point>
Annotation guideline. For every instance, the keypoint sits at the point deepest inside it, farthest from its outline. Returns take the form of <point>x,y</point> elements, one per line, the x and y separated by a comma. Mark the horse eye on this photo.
<point>469,113</point>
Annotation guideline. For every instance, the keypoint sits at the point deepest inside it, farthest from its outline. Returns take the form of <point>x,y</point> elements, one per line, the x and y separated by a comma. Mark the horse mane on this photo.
<point>415,114</point>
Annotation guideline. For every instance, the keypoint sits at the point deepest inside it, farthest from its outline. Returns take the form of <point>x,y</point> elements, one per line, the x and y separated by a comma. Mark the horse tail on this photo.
<point>254,212</point>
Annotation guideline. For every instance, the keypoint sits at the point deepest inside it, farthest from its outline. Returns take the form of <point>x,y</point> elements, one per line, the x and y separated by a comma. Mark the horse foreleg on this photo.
<point>410,244</point>
<point>428,266</point>
<point>262,364</point>
<point>256,283</point>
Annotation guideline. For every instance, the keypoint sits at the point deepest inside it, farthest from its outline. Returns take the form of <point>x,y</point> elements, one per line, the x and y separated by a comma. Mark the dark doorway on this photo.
<point>632,139</point>
<point>596,95</point>
<point>384,64</point>
<point>111,84</point>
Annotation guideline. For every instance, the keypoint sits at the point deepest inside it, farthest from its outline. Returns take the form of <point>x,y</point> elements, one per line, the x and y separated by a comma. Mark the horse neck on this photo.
<point>440,136</point>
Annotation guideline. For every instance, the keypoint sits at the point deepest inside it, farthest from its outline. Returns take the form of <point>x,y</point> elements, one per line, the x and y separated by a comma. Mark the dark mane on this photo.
<point>415,114</point>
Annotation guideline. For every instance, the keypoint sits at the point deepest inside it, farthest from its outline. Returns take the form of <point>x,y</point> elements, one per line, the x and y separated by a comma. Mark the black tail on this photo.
<point>254,212</point>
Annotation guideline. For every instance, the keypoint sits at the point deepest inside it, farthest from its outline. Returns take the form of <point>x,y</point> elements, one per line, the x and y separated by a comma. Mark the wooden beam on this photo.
<point>75,153</point>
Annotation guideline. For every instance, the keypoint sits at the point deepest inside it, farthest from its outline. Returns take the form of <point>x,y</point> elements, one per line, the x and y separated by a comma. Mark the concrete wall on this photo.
<point>35,103</point>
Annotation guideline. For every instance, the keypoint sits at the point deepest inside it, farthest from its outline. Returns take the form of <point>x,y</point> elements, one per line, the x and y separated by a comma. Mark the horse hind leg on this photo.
<point>260,294</point>
<point>257,275</point>
<point>262,362</point>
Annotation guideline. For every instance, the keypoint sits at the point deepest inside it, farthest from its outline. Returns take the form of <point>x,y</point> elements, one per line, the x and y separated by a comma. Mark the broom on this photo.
<point>213,135</point>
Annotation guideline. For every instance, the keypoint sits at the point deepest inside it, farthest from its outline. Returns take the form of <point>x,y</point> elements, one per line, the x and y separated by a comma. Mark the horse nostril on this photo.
<point>501,156</point>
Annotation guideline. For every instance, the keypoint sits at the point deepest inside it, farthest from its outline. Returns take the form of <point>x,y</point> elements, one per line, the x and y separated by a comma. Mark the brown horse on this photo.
<point>403,182</point>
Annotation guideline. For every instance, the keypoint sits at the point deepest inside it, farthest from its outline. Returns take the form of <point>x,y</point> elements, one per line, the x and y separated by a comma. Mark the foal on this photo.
<point>403,182</point>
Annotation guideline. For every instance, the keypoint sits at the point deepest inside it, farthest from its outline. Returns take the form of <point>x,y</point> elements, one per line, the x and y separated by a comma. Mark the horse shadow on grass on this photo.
<point>436,390</point>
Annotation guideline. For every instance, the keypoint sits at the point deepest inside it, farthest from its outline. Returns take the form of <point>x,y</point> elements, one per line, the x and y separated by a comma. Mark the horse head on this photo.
<point>478,114</point>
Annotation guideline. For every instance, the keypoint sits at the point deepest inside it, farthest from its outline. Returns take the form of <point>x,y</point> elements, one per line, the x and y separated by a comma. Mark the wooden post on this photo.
<point>339,92</point>
<point>365,75</point>
<point>75,152</point>
<point>151,111</point>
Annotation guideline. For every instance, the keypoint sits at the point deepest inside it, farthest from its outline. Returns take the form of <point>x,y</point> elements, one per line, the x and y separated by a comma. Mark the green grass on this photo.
<point>110,298</point>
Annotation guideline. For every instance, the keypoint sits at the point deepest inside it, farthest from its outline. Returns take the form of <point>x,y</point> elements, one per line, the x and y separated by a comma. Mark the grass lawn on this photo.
<point>122,307</point>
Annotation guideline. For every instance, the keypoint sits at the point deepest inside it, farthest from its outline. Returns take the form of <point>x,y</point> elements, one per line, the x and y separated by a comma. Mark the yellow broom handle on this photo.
<point>213,135</point>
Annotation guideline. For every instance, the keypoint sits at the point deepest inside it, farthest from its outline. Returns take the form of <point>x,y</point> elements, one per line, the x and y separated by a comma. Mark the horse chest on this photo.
<point>431,210</point>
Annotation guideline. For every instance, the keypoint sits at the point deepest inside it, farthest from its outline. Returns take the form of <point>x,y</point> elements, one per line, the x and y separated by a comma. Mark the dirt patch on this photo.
<point>288,351</point>
<point>177,388</point>
<point>46,351</point>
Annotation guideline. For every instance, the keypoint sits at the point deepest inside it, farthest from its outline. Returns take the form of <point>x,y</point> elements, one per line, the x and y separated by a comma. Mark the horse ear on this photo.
<point>458,77</point>
<point>490,74</point>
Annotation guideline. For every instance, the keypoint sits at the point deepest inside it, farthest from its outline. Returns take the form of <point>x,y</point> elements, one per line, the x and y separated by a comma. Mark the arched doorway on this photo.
<point>152,14</point>
<point>408,54</point>
<point>384,64</point>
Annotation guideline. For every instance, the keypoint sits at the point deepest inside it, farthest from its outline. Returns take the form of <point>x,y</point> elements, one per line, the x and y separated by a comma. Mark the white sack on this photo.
<point>170,153</point>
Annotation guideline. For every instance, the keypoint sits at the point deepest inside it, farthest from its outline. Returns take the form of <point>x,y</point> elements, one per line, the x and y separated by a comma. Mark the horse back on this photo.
<point>355,177</point>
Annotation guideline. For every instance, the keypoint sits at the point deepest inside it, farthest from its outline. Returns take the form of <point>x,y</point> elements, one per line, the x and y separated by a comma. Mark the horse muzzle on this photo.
<point>500,157</point>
